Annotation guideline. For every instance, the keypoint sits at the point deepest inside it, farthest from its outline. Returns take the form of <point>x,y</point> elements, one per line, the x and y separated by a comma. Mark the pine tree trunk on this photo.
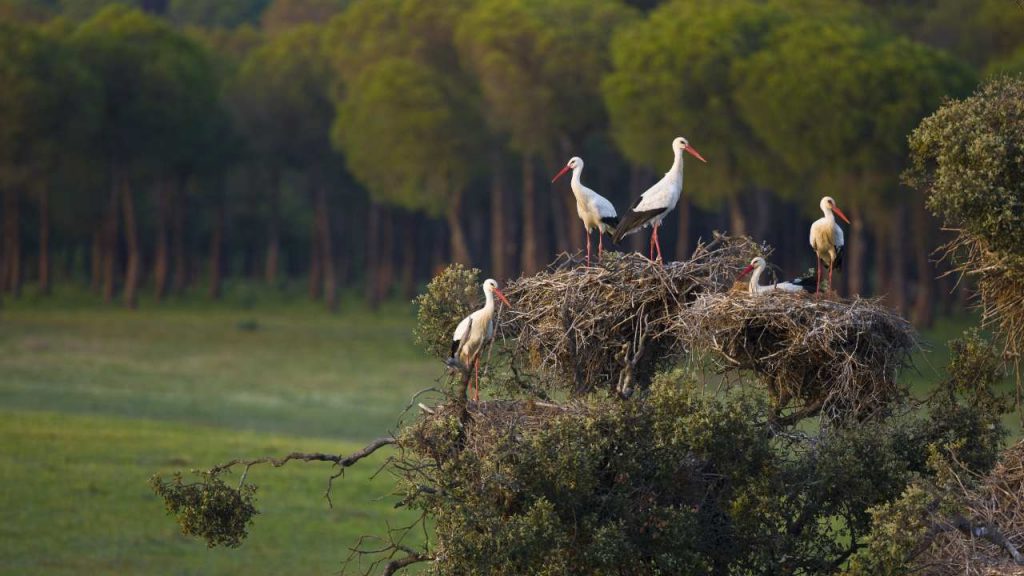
<point>12,242</point>
<point>499,219</point>
<point>386,267</point>
<point>856,249</point>
<point>96,260</point>
<point>370,292</point>
<point>161,261</point>
<point>737,221</point>
<point>683,232</point>
<point>409,256</point>
<point>44,238</point>
<point>273,230</point>
<point>531,237</point>
<point>459,248</point>
<point>131,233</point>
<point>326,249</point>
<point>923,313</point>
<point>179,199</point>
<point>110,234</point>
<point>316,279</point>
<point>217,252</point>
<point>638,241</point>
<point>897,260</point>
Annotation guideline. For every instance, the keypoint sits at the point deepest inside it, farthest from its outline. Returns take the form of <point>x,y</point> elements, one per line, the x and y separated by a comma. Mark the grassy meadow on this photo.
<point>94,400</point>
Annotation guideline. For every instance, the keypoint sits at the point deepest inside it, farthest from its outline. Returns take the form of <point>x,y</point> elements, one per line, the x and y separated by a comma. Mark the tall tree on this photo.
<point>156,84</point>
<point>841,122</point>
<point>47,107</point>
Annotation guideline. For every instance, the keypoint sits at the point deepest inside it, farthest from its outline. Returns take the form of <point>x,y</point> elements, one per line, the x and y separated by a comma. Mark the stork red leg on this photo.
<point>600,244</point>
<point>656,243</point>
<point>588,247</point>
<point>817,291</point>
<point>650,246</point>
<point>830,289</point>
<point>476,380</point>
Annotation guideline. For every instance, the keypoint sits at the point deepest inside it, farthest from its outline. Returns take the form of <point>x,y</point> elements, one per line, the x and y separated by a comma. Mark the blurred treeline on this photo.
<point>167,145</point>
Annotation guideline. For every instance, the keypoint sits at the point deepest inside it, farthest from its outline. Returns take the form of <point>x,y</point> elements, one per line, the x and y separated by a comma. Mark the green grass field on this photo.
<point>95,400</point>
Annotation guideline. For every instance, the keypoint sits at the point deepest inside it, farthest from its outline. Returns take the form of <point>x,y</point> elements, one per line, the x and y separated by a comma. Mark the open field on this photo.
<point>95,400</point>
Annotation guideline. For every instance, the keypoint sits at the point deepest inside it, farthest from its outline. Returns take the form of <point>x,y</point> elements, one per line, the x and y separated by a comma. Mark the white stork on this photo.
<point>758,265</point>
<point>827,238</point>
<point>596,212</point>
<point>474,331</point>
<point>654,204</point>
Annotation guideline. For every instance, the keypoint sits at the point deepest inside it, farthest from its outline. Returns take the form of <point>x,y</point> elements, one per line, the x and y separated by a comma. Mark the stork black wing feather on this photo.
<point>840,252</point>
<point>633,221</point>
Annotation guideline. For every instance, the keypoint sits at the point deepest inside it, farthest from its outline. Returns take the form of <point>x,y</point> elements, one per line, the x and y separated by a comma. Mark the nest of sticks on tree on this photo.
<point>610,325</point>
<point>448,429</point>
<point>836,358</point>
<point>997,504</point>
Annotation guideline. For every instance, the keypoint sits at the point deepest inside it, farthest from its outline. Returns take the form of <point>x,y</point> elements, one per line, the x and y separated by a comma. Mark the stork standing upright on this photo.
<point>758,265</point>
<point>827,238</point>
<point>474,331</point>
<point>596,212</point>
<point>654,204</point>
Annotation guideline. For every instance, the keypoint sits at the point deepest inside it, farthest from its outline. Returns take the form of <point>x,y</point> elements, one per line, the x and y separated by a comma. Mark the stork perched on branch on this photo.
<point>596,212</point>
<point>758,266</point>
<point>473,332</point>
<point>827,238</point>
<point>654,204</point>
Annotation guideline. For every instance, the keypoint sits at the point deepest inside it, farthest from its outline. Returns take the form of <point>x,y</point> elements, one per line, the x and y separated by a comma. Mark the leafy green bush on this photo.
<point>449,298</point>
<point>208,508</point>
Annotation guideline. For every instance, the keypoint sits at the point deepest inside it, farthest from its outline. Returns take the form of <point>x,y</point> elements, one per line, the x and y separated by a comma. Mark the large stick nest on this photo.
<point>814,354</point>
<point>997,501</point>
<point>611,324</point>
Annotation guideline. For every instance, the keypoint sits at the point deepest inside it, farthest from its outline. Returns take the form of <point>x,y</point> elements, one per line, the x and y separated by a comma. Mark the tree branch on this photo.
<point>988,532</point>
<point>395,565</point>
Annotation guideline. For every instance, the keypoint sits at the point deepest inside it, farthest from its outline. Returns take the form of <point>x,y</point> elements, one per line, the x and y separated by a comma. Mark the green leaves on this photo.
<point>209,509</point>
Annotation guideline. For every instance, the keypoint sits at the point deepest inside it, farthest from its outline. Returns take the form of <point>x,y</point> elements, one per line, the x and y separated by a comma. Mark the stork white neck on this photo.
<point>677,165</point>
<point>576,184</point>
<point>755,278</point>
<point>488,299</point>
<point>827,211</point>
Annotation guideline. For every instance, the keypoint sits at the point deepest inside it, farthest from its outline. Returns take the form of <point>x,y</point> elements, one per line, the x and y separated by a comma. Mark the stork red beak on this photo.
<point>840,214</point>
<point>745,271</point>
<point>696,154</point>
<point>502,296</point>
<point>559,175</point>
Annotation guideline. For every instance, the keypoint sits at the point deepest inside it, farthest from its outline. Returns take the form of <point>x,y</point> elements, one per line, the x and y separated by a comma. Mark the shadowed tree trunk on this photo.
<point>95,263</point>
<point>216,252</point>
<point>683,226</point>
<point>897,260</point>
<point>924,297</point>
<point>273,229</point>
<point>131,234</point>
<point>459,248</point>
<point>386,268</point>
<point>370,292</point>
<point>44,238</point>
<point>530,228</point>
<point>856,249</point>
<point>161,257</point>
<point>567,227</point>
<point>638,241</point>
<point>179,200</point>
<point>12,242</point>
<point>110,240</point>
<point>409,256</point>
<point>737,220</point>
<point>499,218</point>
<point>326,250</point>
<point>316,241</point>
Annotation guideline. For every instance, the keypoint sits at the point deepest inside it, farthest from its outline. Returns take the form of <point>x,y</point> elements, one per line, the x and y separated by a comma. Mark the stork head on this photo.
<point>681,144</point>
<point>575,163</point>
<point>827,205</point>
<point>755,264</point>
<point>491,287</point>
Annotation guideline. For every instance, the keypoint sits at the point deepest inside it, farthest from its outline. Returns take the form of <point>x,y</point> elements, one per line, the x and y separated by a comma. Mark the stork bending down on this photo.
<point>758,265</point>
